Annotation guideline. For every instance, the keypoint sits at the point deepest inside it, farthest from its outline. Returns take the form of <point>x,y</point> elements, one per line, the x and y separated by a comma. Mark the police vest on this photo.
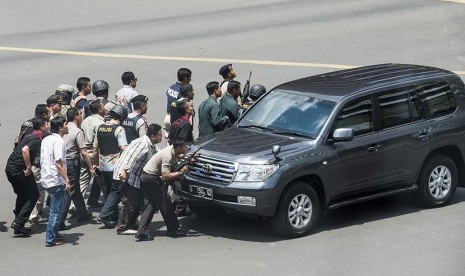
<point>107,141</point>
<point>130,125</point>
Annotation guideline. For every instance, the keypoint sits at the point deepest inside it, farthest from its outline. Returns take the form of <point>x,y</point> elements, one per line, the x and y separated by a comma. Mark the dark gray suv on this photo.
<point>335,139</point>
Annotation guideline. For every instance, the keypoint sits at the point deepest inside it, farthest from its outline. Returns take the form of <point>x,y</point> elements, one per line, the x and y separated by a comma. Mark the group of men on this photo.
<point>112,151</point>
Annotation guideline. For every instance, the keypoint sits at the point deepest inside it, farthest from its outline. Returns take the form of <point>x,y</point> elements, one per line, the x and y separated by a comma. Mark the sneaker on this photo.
<point>127,232</point>
<point>57,243</point>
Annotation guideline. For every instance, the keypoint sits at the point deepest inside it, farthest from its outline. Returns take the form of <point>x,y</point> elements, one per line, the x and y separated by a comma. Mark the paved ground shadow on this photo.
<point>237,227</point>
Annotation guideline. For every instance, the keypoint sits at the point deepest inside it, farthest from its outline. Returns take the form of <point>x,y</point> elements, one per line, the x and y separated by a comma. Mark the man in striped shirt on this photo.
<point>127,172</point>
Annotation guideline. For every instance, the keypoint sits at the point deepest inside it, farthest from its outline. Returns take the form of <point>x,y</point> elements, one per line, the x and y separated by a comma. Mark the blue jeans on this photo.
<point>57,200</point>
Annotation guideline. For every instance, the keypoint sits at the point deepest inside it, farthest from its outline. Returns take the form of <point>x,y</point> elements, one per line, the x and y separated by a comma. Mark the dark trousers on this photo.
<point>27,194</point>
<point>155,194</point>
<point>110,208</point>
<point>74,193</point>
<point>132,199</point>
<point>105,179</point>
<point>95,190</point>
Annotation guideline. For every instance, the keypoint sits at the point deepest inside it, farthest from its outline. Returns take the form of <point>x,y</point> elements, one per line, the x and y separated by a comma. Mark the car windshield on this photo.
<point>289,113</point>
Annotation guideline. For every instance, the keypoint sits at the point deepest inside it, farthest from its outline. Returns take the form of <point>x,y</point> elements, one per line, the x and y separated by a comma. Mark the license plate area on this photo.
<point>202,192</point>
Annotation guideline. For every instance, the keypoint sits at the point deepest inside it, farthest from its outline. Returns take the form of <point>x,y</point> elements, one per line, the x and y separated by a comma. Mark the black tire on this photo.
<point>204,211</point>
<point>437,182</point>
<point>295,222</point>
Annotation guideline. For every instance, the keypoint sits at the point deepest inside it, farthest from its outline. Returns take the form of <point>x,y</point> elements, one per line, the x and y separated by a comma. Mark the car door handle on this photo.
<point>374,148</point>
<point>424,136</point>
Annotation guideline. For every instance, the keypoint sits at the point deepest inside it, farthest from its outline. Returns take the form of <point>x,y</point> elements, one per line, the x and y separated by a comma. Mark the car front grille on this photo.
<point>214,169</point>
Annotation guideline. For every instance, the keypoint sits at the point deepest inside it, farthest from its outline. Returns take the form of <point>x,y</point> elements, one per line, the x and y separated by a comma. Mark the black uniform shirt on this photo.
<point>16,162</point>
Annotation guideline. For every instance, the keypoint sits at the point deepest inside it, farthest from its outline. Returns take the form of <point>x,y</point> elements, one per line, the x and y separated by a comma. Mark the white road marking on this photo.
<point>168,58</point>
<point>456,1</point>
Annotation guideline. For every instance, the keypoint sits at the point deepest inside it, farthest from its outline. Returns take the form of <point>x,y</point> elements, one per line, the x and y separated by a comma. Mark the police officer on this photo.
<point>255,92</point>
<point>228,74</point>
<point>54,103</point>
<point>136,124</point>
<point>66,92</point>
<point>110,142</point>
<point>75,147</point>
<point>228,103</point>
<point>43,112</point>
<point>19,173</point>
<point>173,94</point>
<point>154,174</point>
<point>100,90</point>
<point>210,119</point>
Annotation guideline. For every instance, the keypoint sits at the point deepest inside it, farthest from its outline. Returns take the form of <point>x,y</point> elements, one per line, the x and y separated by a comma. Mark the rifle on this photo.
<point>176,184</point>
<point>245,91</point>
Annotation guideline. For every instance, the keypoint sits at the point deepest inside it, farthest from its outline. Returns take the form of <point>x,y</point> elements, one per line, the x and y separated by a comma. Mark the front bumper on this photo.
<point>225,196</point>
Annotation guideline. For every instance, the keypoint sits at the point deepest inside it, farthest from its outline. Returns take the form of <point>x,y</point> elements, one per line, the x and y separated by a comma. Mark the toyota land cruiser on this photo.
<point>334,139</point>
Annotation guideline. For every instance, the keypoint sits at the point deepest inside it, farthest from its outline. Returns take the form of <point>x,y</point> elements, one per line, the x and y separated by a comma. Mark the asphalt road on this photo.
<point>47,43</point>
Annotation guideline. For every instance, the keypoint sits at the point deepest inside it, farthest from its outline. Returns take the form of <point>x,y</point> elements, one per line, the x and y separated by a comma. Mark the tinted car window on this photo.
<point>357,115</point>
<point>437,99</point>
<point>394,109</point>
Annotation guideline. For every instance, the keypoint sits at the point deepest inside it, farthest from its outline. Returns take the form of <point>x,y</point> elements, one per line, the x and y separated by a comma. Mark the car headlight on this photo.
<point>255,172</point>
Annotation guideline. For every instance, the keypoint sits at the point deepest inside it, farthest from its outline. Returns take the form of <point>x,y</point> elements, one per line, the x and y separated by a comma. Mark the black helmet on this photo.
<point>119,111</point>
<point>256,91</point>
<point>99,87</point>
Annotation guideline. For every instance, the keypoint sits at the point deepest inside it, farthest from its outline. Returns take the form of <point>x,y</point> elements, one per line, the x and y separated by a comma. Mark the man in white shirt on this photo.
<point>127,92</point>
<point>54,177</point>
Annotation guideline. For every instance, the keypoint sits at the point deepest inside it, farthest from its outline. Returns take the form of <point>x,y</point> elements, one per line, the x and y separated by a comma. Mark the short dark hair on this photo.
<point>127,77</point>
<point>232,85</point>
<point>72,113</point>
<point>41,109</point>
<point>212,86</point>
<point>94,106</point>
<point>37,123</point>
<point>185,89</point>
<point>153,129</point>
<point>178,143</point>
<point>56,123</point>
<point>182,107</point>
<point>138,105</point>
<point>82,83</point>
<point>184,73</point>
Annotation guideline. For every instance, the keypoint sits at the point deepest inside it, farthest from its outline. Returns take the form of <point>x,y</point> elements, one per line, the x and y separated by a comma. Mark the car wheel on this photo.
<point>298,211</point>
<point>437,182</point>
<point>203,211</point>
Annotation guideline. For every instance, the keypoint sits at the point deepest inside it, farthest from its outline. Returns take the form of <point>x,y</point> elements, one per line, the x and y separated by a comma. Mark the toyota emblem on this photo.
<point>207,168</point>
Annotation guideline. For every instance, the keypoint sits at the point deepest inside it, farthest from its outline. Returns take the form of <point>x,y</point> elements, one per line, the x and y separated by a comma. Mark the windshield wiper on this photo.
<point>293,134</point>
<point>259,127</point>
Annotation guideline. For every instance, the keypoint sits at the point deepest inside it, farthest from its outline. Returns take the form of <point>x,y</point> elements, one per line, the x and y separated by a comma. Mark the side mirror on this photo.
<point>276,150</point>
<point>343,134</point>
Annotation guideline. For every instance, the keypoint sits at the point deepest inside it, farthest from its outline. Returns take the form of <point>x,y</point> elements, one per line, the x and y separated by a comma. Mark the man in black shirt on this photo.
<point>41,111</point>
<point>19,173</point>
